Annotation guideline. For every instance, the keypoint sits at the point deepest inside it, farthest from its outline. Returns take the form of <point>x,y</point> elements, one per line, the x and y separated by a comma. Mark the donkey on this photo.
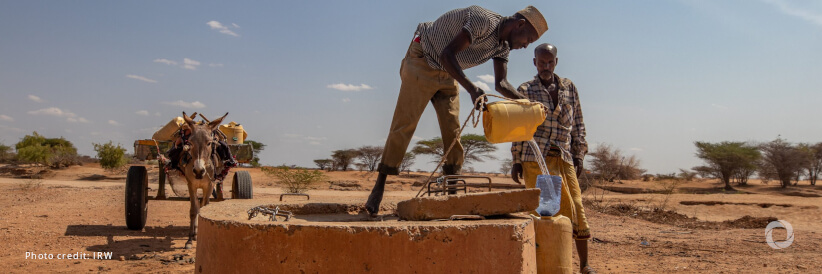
<point>202,167</point>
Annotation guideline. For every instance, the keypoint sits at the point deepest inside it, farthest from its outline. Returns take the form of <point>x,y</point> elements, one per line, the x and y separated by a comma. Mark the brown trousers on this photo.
<point>421,84</point>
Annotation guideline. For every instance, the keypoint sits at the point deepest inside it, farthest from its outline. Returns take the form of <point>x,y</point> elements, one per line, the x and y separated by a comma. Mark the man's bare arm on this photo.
<point>448,61</point>
<point>501,80</point>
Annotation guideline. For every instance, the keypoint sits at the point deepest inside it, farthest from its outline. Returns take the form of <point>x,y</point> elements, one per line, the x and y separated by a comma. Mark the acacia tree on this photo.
<point>813,160</point>
<point>408,161</point>
<point>343,158</point>
<point>724,160</point>
<point>785,159</point>
<point>323,163</point>
<point>370,156</point>
<point>475,147</point>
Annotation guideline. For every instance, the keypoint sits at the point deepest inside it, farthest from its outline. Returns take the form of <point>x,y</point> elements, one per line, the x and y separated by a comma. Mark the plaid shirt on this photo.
<point>563,127</point>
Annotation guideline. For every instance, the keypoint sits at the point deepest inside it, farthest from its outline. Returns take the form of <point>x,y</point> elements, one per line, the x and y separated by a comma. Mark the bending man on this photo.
<point>433,68</point>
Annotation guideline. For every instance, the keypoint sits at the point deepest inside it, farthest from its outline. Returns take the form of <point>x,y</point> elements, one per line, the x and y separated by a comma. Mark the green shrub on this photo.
<point>295,180</point>
<point>111,157</point>
<point>35,154</point>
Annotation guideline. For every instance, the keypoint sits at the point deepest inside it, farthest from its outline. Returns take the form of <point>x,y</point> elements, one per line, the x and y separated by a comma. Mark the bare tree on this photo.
<point>784,158</point>
<point>507,164</point>
<point>370,156</point>
<point>408,161</point>
<point>610,164</point>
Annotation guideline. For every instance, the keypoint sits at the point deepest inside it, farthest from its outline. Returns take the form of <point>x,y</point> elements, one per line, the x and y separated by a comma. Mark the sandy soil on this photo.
<point>80,210</point>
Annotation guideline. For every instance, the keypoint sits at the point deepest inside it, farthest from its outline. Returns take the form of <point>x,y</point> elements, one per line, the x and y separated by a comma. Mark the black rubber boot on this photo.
<point>374,200</point>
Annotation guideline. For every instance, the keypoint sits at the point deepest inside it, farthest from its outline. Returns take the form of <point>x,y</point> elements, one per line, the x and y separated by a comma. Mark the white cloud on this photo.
<point>12,129</point>
<point>636,149</point>
<point>315,138</point>
<point>6,118</point>
<point>719,107</point>
<point>181,103</point>
<point>222,29</point>
<point>35,98</point>
<point>157,114</point>
<point>292,135</point>
<point>346,100</point>
<point>235,25</point>
<point>804,14</point>
<point>190,64</point>
<point>141,78</point>
<point>415,137</point>
<point>113,123</point>
<point>215,65</point>
<point>314,143</point>
<point>142,112</point>
<point>165,61</point>
<point>482,85</point>
<point>52,111</point>
<point>487,78</point>
<point>349,87</point>
<point>78,120</point>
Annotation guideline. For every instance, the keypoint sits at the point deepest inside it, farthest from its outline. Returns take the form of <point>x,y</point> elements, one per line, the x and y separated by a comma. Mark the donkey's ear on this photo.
<point>189,119</point>
<point>216,123</point>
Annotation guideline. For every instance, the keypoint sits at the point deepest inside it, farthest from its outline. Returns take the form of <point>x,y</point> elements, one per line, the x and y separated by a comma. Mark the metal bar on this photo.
<point>294,194</point>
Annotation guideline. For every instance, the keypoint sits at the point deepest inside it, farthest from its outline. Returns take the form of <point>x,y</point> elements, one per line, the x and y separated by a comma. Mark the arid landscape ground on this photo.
<point>697,228</point>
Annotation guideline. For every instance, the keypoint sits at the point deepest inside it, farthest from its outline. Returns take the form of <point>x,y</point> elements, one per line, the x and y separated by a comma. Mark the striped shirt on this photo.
<point>563,127</point>
<point>484,28</point>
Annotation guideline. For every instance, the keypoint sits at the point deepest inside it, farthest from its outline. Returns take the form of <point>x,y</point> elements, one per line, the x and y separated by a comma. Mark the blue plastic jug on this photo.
<point>550,187</point>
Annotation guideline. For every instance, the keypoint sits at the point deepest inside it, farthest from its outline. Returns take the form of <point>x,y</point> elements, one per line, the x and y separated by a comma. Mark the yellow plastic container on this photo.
<point>554,244</point>
<point>509,121</point>
<point>167,132</point>
<point>234,133</point>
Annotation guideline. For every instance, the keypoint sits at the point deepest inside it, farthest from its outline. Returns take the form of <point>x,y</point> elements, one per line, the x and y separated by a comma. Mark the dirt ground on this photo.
<point>636,226</point>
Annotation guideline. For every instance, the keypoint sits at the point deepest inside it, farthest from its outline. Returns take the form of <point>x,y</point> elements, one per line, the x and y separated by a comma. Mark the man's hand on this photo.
<point>516,173</point>
<point>476,94</point>
<point>578,167</point>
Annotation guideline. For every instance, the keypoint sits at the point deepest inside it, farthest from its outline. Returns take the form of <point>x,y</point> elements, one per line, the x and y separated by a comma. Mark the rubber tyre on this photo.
<point>136,197</point>
<point>241,187</point>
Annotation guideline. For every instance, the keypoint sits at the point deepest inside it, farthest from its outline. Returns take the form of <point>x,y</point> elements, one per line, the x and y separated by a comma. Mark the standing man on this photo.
<point>432,70</point>
<point>561,138</point>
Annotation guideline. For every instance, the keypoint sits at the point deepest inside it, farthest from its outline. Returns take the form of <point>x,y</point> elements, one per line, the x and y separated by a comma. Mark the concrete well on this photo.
<point>334,238</point>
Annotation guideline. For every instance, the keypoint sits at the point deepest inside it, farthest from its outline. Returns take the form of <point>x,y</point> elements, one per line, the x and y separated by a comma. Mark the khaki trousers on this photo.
<point>571,201</point>
<point>421,84</point>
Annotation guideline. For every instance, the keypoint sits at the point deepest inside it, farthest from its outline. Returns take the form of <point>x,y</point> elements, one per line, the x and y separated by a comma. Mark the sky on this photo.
<point>310,77</point>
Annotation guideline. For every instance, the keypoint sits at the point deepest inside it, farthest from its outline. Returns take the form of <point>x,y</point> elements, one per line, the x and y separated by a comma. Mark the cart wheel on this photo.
<point>241,187</point>
<point>136,197</point>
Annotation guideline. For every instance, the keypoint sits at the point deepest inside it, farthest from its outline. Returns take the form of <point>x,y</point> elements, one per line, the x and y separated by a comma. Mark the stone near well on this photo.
<point>483,204</point>
<point>333,238</point>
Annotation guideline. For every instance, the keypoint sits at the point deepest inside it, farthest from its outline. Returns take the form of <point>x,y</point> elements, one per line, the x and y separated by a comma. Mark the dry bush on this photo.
<point>31,185</point>
<point>295,180</point>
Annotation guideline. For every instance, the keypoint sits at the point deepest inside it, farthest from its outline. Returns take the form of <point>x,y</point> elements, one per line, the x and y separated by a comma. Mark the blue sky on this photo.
<point>310,77</point>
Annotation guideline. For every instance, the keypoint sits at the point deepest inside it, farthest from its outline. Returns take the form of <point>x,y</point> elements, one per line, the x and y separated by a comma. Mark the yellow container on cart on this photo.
<point>234,133</point>
<point>166,133</point>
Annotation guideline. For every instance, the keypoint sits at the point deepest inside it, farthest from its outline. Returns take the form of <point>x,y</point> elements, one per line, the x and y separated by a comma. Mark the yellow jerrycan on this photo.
<point>234,133</point>
<point>512,121</point>
<point>166,132</point>
<point>554,237</point>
